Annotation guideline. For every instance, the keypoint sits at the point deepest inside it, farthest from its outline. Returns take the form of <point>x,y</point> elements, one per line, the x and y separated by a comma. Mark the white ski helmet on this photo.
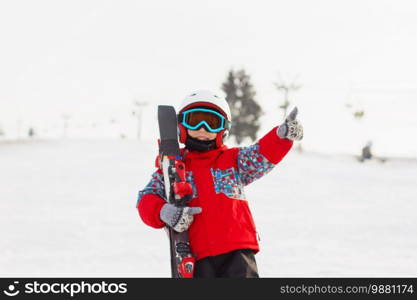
<point>205,98</point>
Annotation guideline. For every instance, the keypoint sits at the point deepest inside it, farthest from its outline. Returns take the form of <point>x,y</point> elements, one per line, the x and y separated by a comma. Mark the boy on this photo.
<point>221,229</point>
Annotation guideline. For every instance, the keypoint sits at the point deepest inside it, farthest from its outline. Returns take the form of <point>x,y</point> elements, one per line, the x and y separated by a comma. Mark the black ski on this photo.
<point>177,190</point>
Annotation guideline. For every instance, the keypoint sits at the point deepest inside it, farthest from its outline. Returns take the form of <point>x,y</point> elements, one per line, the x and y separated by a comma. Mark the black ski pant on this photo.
<point>235,264</point>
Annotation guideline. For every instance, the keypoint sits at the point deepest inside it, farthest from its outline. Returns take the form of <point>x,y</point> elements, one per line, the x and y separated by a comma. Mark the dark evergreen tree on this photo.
<point>31,132</point>
<point>240,95</point>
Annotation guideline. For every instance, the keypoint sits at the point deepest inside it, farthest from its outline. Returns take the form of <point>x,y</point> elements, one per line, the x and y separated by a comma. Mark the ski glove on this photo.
<point>179,218</point>
<point>291,128</point>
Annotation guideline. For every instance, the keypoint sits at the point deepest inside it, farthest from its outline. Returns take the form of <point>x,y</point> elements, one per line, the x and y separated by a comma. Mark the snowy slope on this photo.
<point>67,208</point>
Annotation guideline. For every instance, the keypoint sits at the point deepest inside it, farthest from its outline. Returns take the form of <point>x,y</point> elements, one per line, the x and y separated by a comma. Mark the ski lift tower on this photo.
<point>139,105</point>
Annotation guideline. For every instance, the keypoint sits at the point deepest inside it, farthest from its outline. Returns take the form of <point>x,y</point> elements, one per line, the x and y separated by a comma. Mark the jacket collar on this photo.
<point>202,159</point>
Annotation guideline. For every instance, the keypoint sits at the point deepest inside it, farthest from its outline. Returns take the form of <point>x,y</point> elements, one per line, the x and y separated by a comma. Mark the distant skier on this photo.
<point>366,152</point>
<point>221,229</point>
<point>368,155</point>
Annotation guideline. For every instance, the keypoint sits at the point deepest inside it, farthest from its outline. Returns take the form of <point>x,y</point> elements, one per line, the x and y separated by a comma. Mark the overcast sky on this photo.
<point>90,59</point>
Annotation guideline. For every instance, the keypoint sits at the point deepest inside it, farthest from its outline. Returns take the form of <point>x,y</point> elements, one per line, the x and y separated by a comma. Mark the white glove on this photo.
<point>178,218</point>
<point>291,129</point>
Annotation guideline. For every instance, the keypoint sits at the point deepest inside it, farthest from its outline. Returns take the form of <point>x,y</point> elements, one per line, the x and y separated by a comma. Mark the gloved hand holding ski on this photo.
<point>178,218</point>
<point>291,129</point>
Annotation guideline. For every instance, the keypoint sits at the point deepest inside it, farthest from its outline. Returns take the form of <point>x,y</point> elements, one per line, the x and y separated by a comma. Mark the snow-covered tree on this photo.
<point>240,94</point>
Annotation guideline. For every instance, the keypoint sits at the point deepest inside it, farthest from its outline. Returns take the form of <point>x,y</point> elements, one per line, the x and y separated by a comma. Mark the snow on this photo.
<point>67,209</point>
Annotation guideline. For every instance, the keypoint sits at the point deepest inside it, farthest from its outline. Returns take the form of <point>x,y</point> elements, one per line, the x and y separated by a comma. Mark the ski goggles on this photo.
<point>196,118</point>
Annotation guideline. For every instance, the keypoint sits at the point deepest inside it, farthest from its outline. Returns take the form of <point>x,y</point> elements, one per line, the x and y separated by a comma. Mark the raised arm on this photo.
<point>257,160</point>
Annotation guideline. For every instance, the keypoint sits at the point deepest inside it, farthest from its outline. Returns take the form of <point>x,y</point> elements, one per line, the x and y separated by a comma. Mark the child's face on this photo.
<point>202,134</point>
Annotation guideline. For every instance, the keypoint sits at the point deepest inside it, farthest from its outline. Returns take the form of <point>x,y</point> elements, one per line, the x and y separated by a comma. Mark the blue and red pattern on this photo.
<point>190,179</point>
<point>252,164</point>
<point>155,186</point>
<point>228,182</point>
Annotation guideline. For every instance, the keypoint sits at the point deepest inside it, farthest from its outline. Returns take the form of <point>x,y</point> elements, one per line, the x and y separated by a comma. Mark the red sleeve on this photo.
<point>273,147</point>
<point>149,207</point>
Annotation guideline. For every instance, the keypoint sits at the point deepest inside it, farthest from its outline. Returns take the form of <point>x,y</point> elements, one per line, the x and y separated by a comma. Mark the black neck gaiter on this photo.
<point>193,144</point>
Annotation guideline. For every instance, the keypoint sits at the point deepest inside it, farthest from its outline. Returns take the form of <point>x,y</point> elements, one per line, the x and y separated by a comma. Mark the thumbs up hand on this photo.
<point>291,128</point>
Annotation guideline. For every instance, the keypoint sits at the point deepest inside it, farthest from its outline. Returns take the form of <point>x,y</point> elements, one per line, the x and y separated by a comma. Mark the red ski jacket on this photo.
<point>218,178</point>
